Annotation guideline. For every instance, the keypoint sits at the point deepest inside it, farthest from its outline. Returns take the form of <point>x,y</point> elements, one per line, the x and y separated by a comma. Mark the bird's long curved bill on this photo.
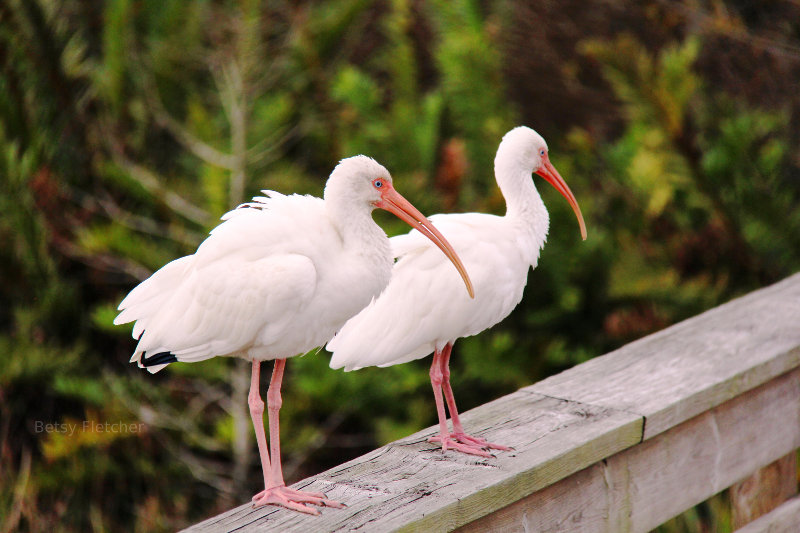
<point>393,201</point>
<point>549,172</point>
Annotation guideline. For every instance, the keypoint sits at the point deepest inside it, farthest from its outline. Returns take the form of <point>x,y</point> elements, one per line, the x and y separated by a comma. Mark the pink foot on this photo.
<point>294,499</point>
<point>477,441</point>
<point>468,444</point>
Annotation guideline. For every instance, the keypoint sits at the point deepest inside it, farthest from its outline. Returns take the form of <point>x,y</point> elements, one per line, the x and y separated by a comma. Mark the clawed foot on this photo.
<point>294,499</point>
<point>468,444</point>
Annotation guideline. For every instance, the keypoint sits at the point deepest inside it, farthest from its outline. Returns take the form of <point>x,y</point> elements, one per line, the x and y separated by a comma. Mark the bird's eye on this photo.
<point>378,183</point>
<point>541,152</point>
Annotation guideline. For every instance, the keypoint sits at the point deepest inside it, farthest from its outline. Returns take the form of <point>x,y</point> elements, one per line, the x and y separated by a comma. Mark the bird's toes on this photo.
<point>299,507</point>
<point>273,499</point>
<point>302,496</point>
<point>472,450</point>
<point>481,443</point>
<point>334,504</point>
<point>450,442</point>
<point>295,500</point>
<point>314,498</point>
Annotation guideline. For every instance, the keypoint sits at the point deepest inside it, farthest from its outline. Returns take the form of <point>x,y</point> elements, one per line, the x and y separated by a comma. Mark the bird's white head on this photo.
<point>358,180</point>
<point>522,150</point>
<point>524,147</point>
<point>362,181</point>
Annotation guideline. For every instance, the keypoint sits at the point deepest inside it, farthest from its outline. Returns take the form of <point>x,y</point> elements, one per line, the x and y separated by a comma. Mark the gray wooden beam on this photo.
<point>411,483</point>
<point>641,487</point>
<point>580,434</point>
<point>695,365</point>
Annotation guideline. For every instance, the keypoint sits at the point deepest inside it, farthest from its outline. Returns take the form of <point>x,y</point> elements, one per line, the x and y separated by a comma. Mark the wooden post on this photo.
<point>765,490</point>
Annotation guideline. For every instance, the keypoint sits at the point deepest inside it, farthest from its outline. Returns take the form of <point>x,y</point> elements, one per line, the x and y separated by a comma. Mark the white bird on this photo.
<point>276,279</point>
<point>422,310</point>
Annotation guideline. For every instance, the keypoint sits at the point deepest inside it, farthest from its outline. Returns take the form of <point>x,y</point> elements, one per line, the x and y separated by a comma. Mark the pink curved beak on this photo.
<point>549,172</point>
<point>393,201</point>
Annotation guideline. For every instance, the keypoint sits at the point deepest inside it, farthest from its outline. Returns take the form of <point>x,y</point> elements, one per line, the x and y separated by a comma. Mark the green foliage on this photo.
<point>22,221</point>
<point>117,40</point>
<point>28,360</point>
<point>656,91</point>
<point>473,88</point>
<point>711,515</point>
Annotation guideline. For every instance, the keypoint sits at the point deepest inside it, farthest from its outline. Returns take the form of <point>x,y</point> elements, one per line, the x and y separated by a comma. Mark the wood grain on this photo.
<point>695,365</point>
<point>784,519</point>
<point>411,485</point>
<point>646,485</point>
<point>620,443</point>
<point>764,490</point>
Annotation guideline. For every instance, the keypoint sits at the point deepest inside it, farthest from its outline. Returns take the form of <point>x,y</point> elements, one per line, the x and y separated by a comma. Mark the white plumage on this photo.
<point>276,279</point>
<point>422,311</point>
<point>253,287</point>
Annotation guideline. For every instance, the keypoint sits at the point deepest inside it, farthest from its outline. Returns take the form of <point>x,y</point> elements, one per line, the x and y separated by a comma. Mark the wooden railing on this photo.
<point>620,443</point>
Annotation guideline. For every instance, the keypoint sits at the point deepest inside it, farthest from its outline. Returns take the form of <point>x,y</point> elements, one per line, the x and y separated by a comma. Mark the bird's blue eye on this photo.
<point>541,152</point>
<point>378,184</point>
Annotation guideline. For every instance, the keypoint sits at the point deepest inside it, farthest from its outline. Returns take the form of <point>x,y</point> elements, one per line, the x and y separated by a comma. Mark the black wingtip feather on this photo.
<point>162,358</point>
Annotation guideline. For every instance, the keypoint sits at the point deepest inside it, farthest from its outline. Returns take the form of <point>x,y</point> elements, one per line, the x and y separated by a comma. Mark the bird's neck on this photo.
<point>522,198</point>
<point>358,230</point>
<point>525,209</point>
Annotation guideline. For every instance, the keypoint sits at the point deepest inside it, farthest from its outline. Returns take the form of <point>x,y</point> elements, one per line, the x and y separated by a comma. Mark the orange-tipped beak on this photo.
<point>549,172</point>
<point>393,201</point>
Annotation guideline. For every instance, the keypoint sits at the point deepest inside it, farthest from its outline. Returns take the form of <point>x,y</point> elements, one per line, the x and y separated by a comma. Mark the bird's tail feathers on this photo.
<point>163,357</point>
<point>151,295</point>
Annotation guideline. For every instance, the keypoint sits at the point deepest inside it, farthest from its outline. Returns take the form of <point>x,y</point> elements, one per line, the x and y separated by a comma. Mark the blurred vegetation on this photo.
<point>128,127</point>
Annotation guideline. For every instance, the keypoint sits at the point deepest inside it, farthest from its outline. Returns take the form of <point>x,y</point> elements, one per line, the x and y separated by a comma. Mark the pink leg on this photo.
<point>436,383</point>
<point>447,439</point>
<point>274,403</point>
<point>458,429</point>
<point>275,490</point>
<point>257,414</point>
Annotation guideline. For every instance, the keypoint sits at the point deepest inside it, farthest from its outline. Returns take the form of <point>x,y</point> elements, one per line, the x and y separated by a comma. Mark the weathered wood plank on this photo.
<point>710,452</point>
<point>720,397</point>
<point>577,503</point>
<point>678,373</point>
<point>646,485</point>
<point>411,485</point>
<point>764,490</point>
<point>784,519</point>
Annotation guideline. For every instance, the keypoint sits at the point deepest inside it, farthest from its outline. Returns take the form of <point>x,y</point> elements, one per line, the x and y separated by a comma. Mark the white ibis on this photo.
<point>276,279</point>
<point>422,310</point>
